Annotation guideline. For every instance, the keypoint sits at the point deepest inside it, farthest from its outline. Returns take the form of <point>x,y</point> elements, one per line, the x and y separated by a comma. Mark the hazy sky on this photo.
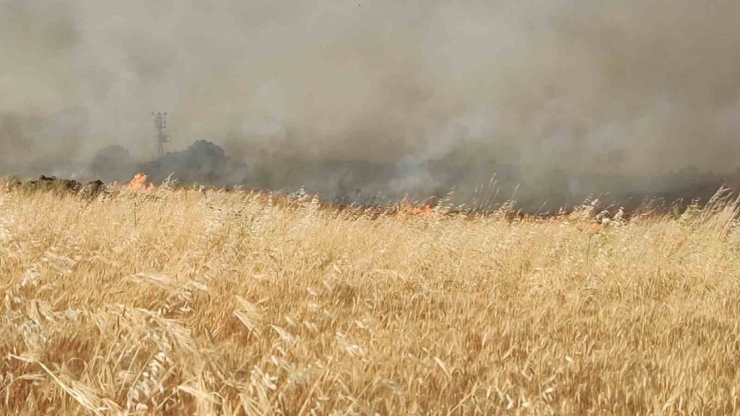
<point>584,85</point>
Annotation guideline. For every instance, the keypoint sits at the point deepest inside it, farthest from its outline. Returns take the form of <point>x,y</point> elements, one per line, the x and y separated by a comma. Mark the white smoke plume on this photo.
<point>569,85</point>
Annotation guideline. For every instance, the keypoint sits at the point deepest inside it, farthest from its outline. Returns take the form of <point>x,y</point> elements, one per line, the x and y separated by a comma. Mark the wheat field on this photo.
<point>183,302</point>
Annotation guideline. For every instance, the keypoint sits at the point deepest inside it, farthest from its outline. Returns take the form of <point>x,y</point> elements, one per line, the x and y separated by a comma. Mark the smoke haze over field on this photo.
<point>580,86</point>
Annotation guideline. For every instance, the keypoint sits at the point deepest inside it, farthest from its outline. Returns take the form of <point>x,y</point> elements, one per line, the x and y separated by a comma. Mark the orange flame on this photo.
<point>598,227</point>
<point>423,210</point>
<point>138,183</point>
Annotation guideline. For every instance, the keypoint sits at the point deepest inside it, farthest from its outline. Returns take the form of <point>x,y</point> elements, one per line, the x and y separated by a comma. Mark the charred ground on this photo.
<point>458,184</point>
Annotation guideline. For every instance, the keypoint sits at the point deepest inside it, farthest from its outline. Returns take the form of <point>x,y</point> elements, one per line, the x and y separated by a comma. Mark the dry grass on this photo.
<point>180,302</point>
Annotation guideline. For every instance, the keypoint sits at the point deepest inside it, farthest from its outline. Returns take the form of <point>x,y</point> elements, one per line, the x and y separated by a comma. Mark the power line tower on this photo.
<point>160,124</point>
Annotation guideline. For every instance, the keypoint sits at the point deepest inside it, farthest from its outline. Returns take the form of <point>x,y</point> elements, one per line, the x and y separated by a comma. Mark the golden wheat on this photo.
<point>190,303</point>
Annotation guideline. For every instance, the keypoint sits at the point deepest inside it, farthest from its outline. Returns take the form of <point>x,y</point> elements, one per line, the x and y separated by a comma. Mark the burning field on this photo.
<point>371,208</point>
<point>149,299</point>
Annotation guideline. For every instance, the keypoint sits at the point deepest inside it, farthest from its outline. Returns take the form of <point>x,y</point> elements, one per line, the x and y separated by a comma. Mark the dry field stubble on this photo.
<point>179,302</point>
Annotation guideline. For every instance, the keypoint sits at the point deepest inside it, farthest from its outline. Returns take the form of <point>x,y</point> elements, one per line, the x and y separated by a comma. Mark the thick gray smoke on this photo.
<point>416,95</point>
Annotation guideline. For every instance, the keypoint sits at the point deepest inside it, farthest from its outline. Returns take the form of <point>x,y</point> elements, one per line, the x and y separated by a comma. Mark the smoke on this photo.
<point>433,93</point>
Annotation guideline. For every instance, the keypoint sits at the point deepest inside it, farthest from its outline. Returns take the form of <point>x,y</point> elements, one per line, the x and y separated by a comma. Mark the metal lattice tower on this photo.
<point>160,124</point>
